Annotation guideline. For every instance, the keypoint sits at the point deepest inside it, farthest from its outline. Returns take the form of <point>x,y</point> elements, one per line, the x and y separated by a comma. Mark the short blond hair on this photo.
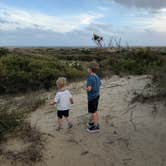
<point>61,82</point>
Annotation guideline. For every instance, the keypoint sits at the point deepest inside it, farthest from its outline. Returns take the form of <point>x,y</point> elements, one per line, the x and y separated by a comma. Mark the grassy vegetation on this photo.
<point>33,153</point>
<point>13,114</point>
<point>23,70</point>
<point>9,120</point>
<point>21,73</point>
<point>159,80</point>
<point>135,62</point>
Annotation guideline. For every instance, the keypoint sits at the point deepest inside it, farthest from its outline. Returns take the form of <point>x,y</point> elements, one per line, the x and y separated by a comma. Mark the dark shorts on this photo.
<point>93,105</point>
<point>64,113</point>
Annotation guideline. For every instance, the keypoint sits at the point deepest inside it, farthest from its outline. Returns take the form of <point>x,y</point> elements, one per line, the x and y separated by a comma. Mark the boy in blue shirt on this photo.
<point>93,93</point>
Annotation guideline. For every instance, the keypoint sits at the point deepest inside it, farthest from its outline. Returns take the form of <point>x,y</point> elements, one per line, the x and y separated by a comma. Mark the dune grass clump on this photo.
<point>13,112</point>
<point>30,102</point>
<point>9,120</point>
<point>30,154</point>
<point>13,124</point>
<point>159,80</point>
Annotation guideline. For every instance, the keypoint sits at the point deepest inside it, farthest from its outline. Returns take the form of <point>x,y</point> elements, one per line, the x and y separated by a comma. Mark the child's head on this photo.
<point>61,82</point>
<point>93,67</point>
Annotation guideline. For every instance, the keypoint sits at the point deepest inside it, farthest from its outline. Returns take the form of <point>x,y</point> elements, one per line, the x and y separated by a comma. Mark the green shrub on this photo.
<point>134,62</point>
<point>20,73</point>
<point>3,52</point>
<point>159,79</point>
<point>9,120</point>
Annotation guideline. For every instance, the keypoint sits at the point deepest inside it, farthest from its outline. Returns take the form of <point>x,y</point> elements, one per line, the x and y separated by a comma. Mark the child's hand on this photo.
<point>51,103</point>
<point>88,88</point>
<point>71,101</point>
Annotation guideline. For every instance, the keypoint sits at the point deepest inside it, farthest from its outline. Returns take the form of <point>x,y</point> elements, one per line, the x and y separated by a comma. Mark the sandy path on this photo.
<point>122,141</point>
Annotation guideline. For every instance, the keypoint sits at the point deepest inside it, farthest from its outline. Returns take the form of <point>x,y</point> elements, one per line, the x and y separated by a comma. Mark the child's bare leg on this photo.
<point>91,121</point>
<point>91,118</point>
<point>59,123</point>
<point>95,118</point>
<point>70,125</point>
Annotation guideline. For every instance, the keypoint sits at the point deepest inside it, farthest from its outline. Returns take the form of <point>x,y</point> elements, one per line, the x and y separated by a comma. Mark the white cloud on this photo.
<point>152,4</point>
<point>163,10</point>
<point>89,18</point>
<point>13,19</point>
<point>159,21</point>
<point>141,21</point>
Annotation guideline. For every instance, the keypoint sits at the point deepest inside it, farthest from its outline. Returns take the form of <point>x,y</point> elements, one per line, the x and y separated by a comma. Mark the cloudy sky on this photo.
<point>72,22</point>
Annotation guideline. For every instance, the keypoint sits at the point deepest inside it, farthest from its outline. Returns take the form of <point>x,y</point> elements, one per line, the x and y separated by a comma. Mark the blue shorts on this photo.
<point>93,105</point>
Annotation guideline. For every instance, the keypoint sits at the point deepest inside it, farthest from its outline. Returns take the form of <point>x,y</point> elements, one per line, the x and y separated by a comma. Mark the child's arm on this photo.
<point>52,103</point>
<point>89,88</point>
<point>56,99</point>
<point>89,84</point>
<point>71,100</point>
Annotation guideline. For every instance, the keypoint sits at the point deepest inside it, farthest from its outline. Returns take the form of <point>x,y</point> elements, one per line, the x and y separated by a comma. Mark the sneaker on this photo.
<point>90,124</point>
<point>70,125</point>
<point>93,129</point>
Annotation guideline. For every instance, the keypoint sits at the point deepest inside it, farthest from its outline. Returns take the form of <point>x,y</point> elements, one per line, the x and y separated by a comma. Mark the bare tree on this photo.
<point>118,42</point>
<point>114,42</point>
<point>111,42</point>
<point>98,40</point>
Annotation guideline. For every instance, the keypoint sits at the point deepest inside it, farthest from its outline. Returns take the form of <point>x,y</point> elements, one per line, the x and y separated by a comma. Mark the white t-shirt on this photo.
<point>62,99</point>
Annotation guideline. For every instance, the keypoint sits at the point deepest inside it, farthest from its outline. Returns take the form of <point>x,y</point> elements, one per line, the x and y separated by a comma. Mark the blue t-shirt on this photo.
<point>94,82</point>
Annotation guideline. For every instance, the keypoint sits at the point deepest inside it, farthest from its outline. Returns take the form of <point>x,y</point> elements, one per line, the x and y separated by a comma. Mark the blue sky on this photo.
<point>72,23</point>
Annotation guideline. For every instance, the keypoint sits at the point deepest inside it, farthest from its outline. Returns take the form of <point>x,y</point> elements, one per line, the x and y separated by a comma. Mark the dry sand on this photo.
<point>139,140</point>
<point>131,135</point>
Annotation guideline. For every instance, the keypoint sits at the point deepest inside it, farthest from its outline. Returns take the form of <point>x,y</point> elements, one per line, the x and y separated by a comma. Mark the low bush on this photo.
<point>134,62</point>
<point>9,120</point>
<point>159,79</point>
<point>20,73</point>
<point>4,52</point>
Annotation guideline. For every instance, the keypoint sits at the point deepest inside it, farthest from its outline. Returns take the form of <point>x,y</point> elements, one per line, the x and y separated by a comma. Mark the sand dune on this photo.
<point>131,135</point>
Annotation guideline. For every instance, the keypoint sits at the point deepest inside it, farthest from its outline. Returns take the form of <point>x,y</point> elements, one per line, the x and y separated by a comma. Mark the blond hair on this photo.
<point>61,82</point>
